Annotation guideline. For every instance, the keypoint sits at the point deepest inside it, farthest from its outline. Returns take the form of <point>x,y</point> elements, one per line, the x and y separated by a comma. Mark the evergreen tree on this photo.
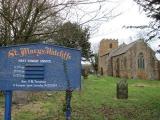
<point>73,35</point>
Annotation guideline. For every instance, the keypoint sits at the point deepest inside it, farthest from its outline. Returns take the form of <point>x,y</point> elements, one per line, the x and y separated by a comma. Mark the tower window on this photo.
<point>141,64</point>
<point>110,45</point>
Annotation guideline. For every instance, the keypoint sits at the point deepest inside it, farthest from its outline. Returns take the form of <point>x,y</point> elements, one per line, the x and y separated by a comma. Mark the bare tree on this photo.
<point>24,21</point>
<point>152,8</point>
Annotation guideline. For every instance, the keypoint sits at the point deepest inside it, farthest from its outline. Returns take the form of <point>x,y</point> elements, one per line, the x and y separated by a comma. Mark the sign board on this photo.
<point>39,67</point>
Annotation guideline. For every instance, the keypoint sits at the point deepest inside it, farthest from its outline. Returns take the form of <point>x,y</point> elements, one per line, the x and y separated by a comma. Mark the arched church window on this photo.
<point>141,64</point>
<point>125,62</point>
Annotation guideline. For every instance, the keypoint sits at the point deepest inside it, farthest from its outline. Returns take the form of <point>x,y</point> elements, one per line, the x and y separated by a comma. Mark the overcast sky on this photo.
<point>131,15</point>
<point>113,29</point>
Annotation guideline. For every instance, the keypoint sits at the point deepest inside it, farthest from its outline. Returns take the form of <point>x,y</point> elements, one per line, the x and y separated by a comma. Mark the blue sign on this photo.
<point>39,67</point>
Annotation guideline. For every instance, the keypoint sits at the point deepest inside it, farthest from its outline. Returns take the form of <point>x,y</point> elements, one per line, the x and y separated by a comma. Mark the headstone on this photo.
<point>21,97</point>
<point>122,89</point>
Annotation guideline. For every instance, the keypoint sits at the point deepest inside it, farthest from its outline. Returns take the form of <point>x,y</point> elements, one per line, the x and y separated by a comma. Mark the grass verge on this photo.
<point>96,101</point>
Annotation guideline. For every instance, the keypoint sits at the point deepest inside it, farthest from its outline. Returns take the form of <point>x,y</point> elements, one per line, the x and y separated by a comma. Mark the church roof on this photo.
<point>122,49</point>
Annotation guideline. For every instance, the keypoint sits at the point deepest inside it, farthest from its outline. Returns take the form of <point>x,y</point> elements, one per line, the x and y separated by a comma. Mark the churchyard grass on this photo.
<point>96,101</point>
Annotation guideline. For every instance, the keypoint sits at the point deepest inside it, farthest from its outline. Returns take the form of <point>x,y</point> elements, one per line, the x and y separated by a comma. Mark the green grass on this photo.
<point>96,101</point>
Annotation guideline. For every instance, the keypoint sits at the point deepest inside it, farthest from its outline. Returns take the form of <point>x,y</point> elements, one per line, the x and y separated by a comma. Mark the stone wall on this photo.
<point>122,65</point>
<point>128,63</point>
<point>150,71</point>
<point>102,65</point>
<point>125,65</point>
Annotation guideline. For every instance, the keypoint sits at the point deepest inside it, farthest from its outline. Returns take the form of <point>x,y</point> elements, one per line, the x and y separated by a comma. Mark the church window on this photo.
<point>110,45</point>
<point>125,62</point>
<point>141,64</point>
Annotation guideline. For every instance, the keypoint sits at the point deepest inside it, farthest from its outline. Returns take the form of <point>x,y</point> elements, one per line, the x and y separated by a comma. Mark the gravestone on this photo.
<point>122,89</point>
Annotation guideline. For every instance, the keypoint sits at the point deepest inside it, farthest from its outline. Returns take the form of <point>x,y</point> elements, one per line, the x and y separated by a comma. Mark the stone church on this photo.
<point>134,60</point>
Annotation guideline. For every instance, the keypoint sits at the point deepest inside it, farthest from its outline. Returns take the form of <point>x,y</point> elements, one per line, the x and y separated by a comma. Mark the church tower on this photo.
<point>105,47</point>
